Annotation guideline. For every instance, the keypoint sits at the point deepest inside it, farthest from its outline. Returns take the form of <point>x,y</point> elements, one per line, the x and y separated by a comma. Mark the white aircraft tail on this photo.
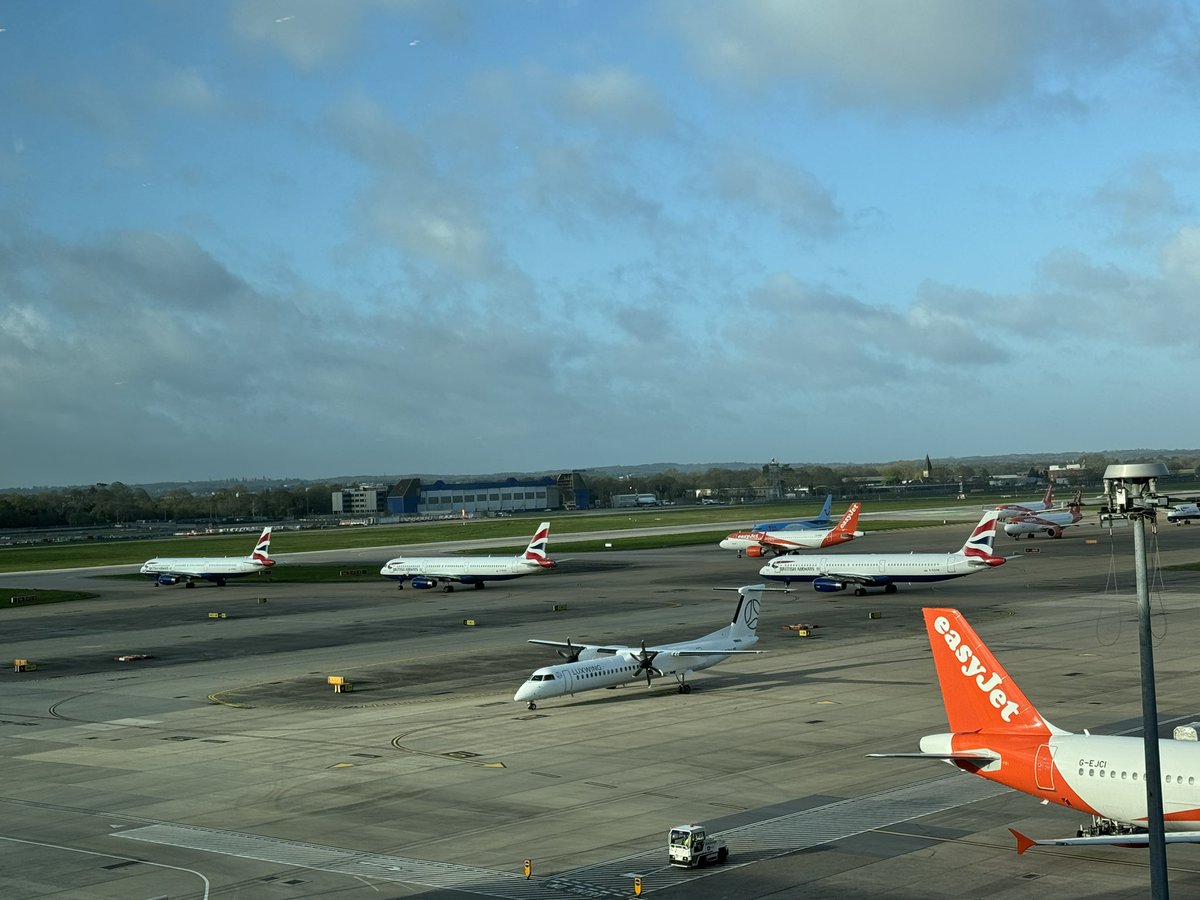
<point>745,615</point>
<point>538,549</point>
<point>262,550</point>
<point>979,545</point>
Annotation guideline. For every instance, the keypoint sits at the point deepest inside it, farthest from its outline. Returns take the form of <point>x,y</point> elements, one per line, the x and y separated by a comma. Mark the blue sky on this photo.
<point>301,239</point>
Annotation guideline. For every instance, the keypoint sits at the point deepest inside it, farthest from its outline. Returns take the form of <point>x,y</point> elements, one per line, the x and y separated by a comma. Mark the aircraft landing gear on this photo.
<point>448,589</point>
<point>532,705</point>
<point>889,589</point>
<point>860,592</point>
<point>479,585</point>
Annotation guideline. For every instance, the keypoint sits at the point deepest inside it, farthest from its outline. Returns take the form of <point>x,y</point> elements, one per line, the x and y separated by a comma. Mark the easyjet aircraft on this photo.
<point>1025,507</point>
<point>1050,523</point>
<point>996,733</point>
<point>432,571</point>
<point>765,543</point>
<point>836,572</point>
<point>172,570</point>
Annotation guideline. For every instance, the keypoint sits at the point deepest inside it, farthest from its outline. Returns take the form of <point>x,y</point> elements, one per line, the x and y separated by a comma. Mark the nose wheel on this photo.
<point>532,705</point>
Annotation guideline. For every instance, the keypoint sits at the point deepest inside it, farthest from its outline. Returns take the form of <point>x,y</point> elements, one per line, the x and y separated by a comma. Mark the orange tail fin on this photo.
<point>978,693</point>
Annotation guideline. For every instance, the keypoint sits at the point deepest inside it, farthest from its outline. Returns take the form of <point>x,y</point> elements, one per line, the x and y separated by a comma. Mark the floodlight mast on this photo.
<point>1132,491</point>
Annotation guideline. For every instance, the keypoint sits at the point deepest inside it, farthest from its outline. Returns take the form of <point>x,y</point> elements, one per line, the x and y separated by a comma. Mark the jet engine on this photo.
<point>756,551</point>
<point>828,585</point>
<point>168,579</point>
<point>421,583</point>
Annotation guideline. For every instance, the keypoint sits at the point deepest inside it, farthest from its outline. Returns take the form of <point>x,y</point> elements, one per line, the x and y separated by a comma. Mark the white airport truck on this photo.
<point>690,847</point>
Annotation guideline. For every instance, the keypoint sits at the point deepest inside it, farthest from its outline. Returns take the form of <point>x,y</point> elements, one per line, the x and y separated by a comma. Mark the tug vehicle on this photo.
<point>689,847</point>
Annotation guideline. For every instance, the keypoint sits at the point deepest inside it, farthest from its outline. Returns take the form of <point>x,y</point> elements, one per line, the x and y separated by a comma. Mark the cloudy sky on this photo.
<point>301,238</point>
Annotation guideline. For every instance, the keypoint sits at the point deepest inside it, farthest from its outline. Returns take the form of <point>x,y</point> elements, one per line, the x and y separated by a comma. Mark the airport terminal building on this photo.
<point>440,498</point>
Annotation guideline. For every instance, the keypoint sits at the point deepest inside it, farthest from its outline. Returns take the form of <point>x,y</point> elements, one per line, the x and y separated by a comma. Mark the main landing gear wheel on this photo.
<point>890,589</point>
<point>860,592</point>
<point>479,585</point>
<point>685,688</point>
<point>448,589</point>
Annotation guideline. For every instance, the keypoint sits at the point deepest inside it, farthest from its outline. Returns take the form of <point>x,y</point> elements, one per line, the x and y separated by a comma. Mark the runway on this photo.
<point>227,766</point>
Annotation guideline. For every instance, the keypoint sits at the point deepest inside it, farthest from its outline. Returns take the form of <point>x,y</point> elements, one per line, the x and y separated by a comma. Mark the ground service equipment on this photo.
<point>690,847</point>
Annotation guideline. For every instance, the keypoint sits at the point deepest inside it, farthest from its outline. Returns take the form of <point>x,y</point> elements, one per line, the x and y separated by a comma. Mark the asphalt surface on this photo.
<point>226,765</point>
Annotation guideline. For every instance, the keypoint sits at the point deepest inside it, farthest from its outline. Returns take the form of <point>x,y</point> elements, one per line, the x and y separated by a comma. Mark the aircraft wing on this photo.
<point>852,578</point>
<point>571,645</point>
<point>712,651</point>
<point>1141,839</point>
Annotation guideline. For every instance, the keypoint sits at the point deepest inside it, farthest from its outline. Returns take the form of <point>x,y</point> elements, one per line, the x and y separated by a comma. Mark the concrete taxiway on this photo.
<point>227,766</point>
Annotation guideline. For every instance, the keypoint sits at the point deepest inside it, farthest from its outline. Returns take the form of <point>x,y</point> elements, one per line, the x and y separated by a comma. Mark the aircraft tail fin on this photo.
<point>538,549</point>
<point>978,693</point>
<point>827,509</point>
<point>846,529</point>
<point>1048,500</point>
<point>745,615</point>
<point>262,550</point>
<point>978,546</point>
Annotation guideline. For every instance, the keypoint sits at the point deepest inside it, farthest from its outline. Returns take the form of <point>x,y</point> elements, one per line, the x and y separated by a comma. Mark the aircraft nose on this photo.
<point>524,692</point>
<point>727,544</point>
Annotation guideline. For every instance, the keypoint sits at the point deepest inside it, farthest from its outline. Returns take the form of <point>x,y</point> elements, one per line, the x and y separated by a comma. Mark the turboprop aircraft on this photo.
<point>1050,523</point>
<point>997,734</point>
<point>822,520</point>
<point>886,570</point>
<point>432,571</point>
<point>1008,510</point>
<point>172,570</point>
<point>591,666</point>
<point>765,543</point>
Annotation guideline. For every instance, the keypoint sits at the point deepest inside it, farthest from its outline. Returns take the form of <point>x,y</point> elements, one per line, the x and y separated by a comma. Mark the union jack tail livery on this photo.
<point>978,547</point>
<point>262,550</point>
<point>537,551</point>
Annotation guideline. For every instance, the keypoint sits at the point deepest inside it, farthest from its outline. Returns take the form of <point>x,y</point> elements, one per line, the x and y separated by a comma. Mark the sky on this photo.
<point>300,238</point>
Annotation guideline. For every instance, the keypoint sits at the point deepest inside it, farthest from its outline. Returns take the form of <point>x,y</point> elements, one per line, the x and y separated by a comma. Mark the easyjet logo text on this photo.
<point>972,668</point>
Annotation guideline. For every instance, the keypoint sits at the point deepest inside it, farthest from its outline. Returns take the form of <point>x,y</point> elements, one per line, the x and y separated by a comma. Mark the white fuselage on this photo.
<point>873,568</point>
<point>466,569</point>
<point>1183,513</point>
<point>202,567</point>
<point>1101,774</point>
<point>782,541</point>
<point>603,671</point>
<point>1051,522</point>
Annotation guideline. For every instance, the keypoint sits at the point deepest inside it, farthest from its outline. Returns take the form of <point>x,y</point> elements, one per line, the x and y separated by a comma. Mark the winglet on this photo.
<point>1023,842</point>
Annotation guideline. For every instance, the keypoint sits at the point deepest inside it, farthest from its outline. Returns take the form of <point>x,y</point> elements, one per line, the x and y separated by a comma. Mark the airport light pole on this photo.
<point>1132,491</point>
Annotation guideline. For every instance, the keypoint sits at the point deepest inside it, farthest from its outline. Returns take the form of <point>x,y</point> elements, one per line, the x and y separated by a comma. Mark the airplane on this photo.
<point>1183,513</point>
<point>886,570</point>
<point>591,666</point>
<point>431,571</point>
<point>1008,510</point>
<point>1051,522</point>
<point>997,734</point>
<point>172,570</point>
<point>823,519</point>
<point>763,543</point>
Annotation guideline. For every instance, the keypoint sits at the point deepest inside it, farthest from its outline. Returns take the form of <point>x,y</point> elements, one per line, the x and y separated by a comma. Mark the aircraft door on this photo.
<point>1043,767</point>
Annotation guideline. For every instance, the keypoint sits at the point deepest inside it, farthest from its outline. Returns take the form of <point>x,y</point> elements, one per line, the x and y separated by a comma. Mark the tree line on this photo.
<point>117,503</point>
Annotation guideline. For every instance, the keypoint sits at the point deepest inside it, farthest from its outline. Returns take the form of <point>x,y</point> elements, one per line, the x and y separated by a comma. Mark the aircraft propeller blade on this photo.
<point>571,653</point>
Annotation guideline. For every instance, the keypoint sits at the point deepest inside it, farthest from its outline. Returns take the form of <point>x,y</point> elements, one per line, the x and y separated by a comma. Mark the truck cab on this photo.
<point>690,847</point>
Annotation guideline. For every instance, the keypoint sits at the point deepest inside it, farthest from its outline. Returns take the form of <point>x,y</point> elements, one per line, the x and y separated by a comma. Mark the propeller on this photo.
<point>645,660</point>
<point>571,653</point>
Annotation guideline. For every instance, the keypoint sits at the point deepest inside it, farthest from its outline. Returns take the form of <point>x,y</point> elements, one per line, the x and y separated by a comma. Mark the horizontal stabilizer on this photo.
<point>968,756</point>
<point>712,652</point>
<point>1141,839</point>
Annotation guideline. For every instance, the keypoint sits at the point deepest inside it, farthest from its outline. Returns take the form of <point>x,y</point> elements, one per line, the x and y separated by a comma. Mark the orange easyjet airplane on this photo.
<point>997,734</point>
